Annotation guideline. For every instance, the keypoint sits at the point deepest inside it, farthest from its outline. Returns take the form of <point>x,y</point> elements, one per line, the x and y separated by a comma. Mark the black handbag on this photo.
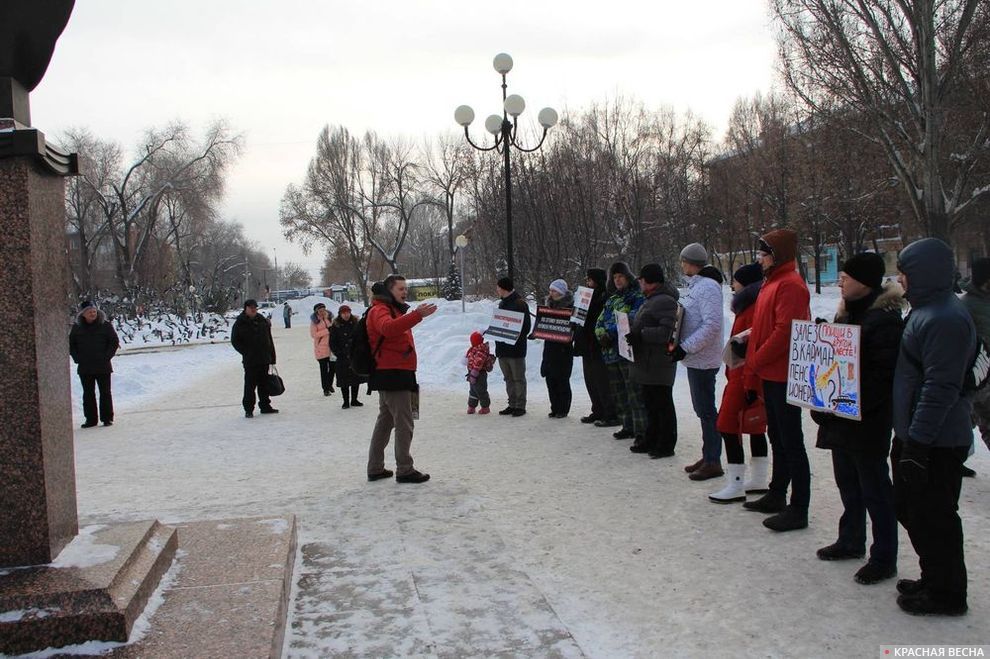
<point>276,387</point>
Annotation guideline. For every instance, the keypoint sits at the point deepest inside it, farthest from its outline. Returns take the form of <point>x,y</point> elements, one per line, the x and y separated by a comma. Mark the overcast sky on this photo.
<point>280,70</point>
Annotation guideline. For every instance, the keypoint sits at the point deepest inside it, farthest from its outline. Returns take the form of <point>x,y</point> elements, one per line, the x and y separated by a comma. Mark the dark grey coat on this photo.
<point>937,349</point>
<point>655,321</point>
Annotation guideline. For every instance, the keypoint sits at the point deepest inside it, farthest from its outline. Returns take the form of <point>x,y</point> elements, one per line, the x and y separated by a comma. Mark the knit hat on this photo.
<point>867,268</point>
<point>506,284</point>
<point>981,272</point>
<point>651,273</point>
<point>251,302</point>
<point>378,288</point>
<point>318,306</point>
<point>87,304</point>
<point>783,245</point>
<point>477,338</point>
<point>559,285</point>
<point>598,276</point>
<point>695,254</point>
<point>748,274</point>
<point>343,308</point>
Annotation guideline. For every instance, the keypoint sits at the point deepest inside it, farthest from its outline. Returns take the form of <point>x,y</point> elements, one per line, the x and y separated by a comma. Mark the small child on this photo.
<point>480,363</point>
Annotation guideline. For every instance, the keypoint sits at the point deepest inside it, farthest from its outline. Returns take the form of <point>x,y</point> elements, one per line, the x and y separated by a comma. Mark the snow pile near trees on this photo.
<point>172,329</point>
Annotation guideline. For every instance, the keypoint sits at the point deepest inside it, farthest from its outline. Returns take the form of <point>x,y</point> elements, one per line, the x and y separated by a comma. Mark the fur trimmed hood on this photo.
<point>891,298</point>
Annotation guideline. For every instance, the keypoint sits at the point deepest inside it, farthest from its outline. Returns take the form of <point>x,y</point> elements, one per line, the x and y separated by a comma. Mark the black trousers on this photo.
<point>930,514</point>
<point>326,373</point>
<point>350,392</point>
<point>559,389</point>
<point>790,457</point>
<point>865,487</point>
<point>661,418</point>
<point>89,385</point>
<point>596,381</point>
<point>734,447</point>
<point>256,377</point>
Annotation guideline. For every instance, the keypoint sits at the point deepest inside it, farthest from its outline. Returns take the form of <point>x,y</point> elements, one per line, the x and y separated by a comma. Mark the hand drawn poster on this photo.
<point>823,368</point>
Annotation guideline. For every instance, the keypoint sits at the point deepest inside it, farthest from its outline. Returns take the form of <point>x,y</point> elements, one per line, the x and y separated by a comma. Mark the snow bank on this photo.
<point>171,329</point>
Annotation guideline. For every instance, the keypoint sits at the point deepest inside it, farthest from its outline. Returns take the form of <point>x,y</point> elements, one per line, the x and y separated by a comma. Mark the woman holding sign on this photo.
<point>860,448</point>
<point>558,357</point>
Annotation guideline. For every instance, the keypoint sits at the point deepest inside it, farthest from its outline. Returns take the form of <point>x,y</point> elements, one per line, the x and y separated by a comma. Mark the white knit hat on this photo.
<point>559,285</point>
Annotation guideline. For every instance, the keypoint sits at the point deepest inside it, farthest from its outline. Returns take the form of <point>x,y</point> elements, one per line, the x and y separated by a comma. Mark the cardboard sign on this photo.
<point>582,302</point>
<point>823,368</point>
<point>506,326</point>
<point>622,326</point>
<point>553,325</point>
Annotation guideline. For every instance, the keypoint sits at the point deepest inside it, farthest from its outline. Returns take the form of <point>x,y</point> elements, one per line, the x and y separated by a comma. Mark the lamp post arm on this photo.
<point>535,148</point>
<point>467,136</point>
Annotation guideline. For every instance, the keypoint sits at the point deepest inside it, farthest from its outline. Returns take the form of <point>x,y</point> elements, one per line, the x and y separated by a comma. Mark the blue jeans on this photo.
<point>702,383</point>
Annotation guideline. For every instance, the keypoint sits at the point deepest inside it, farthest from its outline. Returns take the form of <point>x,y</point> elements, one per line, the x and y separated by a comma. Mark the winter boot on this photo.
<point>839,552</point>
<point>694,466</point>
<point>470,410</point>
<point>910,586</point>
<point>706,471</point>
<point>623,434</point>
<point>768,503</point>
<point>790,519</point>
<point>485,410</point>
<point>872,573</point>
<point>733,490</point>
<point>927,603</point>
<point>759,470</point>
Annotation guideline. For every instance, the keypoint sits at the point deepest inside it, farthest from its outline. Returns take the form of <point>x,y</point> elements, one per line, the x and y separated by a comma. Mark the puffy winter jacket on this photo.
<point>701,331</point>
<point>734,394</point>
<point>319,331</point>
<point>627,301</point>
<point>654,323</point>
<point>783,298</point>
<point>93,345</point>
<point>881,326</point>
<point>937,348</point>
<point>341,340</point>
<point>395,357</point>
<point>513,302</point>
<point>252,337</point>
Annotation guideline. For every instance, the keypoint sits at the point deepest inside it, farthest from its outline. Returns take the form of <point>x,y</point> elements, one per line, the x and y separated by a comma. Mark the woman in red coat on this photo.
<point>746,283</point>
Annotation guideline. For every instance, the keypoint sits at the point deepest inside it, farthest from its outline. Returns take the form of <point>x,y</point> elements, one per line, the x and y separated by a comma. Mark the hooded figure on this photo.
<point>932,427</point>
<point>92,344</point>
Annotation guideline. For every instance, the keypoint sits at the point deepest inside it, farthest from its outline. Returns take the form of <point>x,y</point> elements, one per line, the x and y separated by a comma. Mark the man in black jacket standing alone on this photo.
<point>512,356</point>
<point>252,337</point>
<point>92,344</point>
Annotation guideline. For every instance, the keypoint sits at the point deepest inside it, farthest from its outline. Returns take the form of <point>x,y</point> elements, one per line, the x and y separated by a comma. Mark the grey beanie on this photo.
<point>695,254</point>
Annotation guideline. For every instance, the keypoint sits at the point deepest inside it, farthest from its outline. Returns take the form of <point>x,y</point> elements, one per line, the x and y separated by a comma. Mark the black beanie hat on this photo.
<point>868,268</point>
<point>651,273</point>
<point>318,306</point>
<point>597,275</point>
<point>748,274</point>
<point>981,272</point>
<point>506,284</point>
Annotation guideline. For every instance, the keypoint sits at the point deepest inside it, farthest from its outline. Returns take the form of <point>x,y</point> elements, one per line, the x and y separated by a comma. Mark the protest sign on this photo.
<point>553,325</point>
<point>823,368</point>
<point>622,326</point>
<point>582,302</point>
<point>506,326</point>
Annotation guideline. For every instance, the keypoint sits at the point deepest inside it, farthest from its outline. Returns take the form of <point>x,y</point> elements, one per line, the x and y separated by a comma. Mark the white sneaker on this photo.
<point>759,474</point>
<point>734,489</point>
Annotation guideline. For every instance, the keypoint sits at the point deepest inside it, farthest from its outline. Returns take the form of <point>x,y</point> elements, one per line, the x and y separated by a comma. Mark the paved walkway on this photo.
<point>536,537</point>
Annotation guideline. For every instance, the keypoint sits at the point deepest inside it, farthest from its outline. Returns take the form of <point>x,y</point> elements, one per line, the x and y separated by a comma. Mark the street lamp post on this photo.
<point>506,133</point>
<point>461,241</point>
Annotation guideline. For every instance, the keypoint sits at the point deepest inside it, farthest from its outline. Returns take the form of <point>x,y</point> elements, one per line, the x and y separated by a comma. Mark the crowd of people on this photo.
<point>917,408</point>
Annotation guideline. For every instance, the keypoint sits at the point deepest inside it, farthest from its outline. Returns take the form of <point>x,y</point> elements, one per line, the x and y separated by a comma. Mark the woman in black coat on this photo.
<point>586,347</point>
<point>341,339</point>
<point>558,358</point>
<point>92,344</point>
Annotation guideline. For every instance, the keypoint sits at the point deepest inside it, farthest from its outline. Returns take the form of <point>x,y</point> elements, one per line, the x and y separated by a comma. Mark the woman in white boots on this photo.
<point>746,283</point>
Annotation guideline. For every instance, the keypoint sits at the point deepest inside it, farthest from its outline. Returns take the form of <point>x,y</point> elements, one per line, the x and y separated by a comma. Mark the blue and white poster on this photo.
<point>823,368</point>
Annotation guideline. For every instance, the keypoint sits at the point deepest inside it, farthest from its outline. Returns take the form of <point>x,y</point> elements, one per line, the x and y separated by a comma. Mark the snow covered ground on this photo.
<point>536,537</point>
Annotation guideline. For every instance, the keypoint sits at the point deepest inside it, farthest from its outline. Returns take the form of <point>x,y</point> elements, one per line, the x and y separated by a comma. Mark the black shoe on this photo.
<point>269,410</point>
<point>924,603</point>
<point>872,573</point>
<point>839,552</point>
<point>518,412</point>
<point>639,448</point>
<point>412,477</point>
<point>356,403</point>
<point>552,415</point>
<point>384,473</point>
<point>108,423</point>
<point>345,406</point>
<point>910,586</point>
<point>656,455</point>
<point>332,390</point>
<point>768,503</point>
<point>967,472</point>
<point>790,519</point>
<point>623,434</point>
<point>507,411</point>
<point>591,418</point>
<point>249,414</point>
<point>326,393</point>
<point>88,424</point>
<point>608,423</point>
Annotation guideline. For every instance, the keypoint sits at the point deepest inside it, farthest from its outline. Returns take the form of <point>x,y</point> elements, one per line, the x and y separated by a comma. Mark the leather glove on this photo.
<point>605,340</point>
<point>913,466</point>
<point>635,339</point>
<point>738,349</point>
<point>751,397</point>
<point>677,354</point>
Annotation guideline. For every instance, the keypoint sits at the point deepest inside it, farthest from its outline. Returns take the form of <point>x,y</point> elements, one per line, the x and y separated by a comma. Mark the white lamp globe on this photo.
<point>464,115</point>
<point>461,240</point>
<point>548,117</point>
<point>493,124</point>
<point>515,105</point>
<point>502,63</point>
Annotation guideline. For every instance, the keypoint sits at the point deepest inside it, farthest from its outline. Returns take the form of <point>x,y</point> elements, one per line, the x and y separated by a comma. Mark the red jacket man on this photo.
<point>783,298</point>
<point>390,324</point>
